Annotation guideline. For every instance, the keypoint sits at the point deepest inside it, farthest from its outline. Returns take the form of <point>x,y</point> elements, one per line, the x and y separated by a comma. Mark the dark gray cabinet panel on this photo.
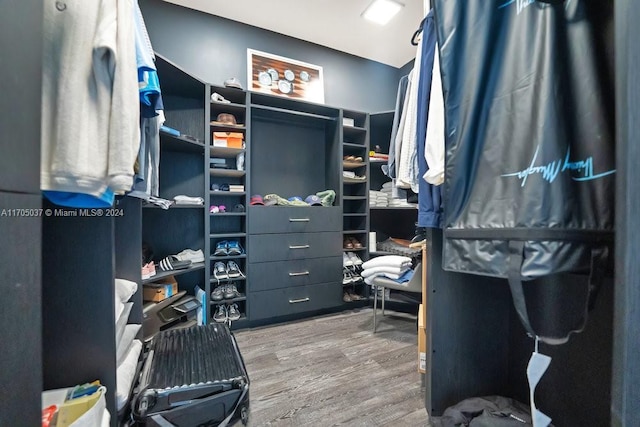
<point>278,219</point>
<point>284,274</point>
<point>20,316</point>
<point>281,247</point>
<point>298,299</point>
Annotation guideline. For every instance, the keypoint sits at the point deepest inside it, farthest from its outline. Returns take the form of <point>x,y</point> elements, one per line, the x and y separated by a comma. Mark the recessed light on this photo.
<point>381,11</point>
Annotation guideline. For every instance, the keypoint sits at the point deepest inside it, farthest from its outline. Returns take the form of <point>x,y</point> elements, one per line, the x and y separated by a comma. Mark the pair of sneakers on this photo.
<point>228,291</point>
<point>228,248</point>
<point>230,270</point>
<point>350,259</point>
<point>148,270</point>
<point>350,277</point>
<point>224,313</point>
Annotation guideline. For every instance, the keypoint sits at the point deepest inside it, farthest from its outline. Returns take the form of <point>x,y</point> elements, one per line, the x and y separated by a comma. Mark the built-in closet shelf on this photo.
<point>355,214</point>
<point>354,197</point>
<point>353,130</point>
<point>351,144</point>
<point>392,208</point>
<point>225,152</point>
<point>354,231</point>
<point>232,173</point>
<point>226,214</point>
<point>180,143</point>
<point>354,181</point>
<point>372,160</point>
<point>235,279</point>
<point>227,193</point>
<point>381,253</point>
<point>162,274</point>
<point>353,165</point>
<point>226,257</point>
<point>226,235</point>
<point>293,113</point>
<point>242,297</point>
<point>172,207</point>
<point>231,108</point>
<point>363,248</point>
<point>228,128</point>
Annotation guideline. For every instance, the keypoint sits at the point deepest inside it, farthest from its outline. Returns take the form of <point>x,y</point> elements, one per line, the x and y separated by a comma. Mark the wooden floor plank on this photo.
<point>332,371</point>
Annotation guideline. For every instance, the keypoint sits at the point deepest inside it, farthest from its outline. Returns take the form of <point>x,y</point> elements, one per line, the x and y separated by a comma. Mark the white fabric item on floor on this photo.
<point>126,373</point>
<point>387,260</point>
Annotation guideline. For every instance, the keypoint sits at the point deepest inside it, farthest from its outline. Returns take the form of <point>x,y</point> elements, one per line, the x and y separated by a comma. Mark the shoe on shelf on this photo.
<point>172,262</point>
<point>233,270</point>
<point>420,238</point>
<point>230,292</point>
<point>356,278</point>
<point>346,297</point>
<point>191,255</point>
<point>346,277</point>
<point>216,294</point>
<point>355,259</point>
<point>234,312</point>
<point>148,270</point>
<point>220,315</point>
<point>220,271</point>
<point>354,296</point>
<point>347,261</point>
<point>234,248</point>
<point>221,249</point>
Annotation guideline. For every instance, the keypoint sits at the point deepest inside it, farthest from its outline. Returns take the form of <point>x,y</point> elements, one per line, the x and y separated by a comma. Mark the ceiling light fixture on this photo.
<point>381,11</point>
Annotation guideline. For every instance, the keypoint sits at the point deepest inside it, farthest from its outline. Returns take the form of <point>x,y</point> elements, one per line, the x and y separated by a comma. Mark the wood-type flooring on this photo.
<point>332,371</point>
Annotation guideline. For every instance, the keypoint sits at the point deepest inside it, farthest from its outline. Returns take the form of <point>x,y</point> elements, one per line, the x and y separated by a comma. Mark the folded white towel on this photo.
<point>387,260</point>
<point>125,289</point>
<point>391,272</point>
<point>126,341</point>
<point>187,200</point>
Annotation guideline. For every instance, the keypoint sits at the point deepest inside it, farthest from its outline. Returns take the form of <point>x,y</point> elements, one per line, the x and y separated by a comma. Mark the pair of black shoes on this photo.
<point>420,237</point>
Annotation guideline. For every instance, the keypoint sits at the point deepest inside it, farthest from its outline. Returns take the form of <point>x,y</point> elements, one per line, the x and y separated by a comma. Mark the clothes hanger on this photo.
<point>417,33</point>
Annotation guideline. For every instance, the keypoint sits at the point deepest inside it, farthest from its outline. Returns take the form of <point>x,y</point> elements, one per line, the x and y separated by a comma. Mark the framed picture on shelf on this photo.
<point>277,75</point>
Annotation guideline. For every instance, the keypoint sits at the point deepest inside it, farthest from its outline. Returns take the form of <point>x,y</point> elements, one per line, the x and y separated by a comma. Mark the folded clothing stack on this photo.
<point>397,197</point>
<point>128,348</point>
<point>394,267</point>
<point>187,200</point>
<point>378,199</point>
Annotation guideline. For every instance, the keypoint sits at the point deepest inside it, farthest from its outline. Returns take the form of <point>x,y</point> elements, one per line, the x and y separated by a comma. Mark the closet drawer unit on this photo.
<point>284,274</point>
<point>279,219</point>
<point>298,299</point>
<point>283,247</point>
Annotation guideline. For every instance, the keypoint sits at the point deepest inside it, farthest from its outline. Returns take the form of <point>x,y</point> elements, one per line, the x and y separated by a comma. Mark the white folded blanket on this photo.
<point>125,343</point>
<point>125,373</point>
<point>391,272</point>
<point>388,260</point>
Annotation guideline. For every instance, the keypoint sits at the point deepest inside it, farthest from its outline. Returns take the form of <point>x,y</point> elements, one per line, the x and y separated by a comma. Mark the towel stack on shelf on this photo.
<point>378,199</point>
<point>394,267</point>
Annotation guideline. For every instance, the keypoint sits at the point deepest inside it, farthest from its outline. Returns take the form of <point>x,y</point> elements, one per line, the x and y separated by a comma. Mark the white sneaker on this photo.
<point>216,97</point>
<point>346,260</point>
<point>191,255</point>
<point>355,259</point>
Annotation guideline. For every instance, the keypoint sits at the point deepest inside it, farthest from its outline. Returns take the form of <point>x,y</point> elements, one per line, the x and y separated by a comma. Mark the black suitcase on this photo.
<point>193,377</point>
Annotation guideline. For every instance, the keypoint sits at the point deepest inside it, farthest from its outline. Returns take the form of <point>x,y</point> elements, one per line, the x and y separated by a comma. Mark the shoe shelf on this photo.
<point>354,231</point>
<point>171,142</point>
<point>232,280</point>
<point>364,248</point>
<point>354,181</point>
<point>228,214</point>
<point>230,108</point>
<point>228,128</point>
<point>352,165</point>
<point>162,274</point>
<point>227,193</point>
<point>354,197</point>
<point>173,207</point>
<point>225,152</point>
<point>230,173</point>
<point>242,297</point>
<point>353,145</point>
<point>226,235</point>
<point>226,257</point>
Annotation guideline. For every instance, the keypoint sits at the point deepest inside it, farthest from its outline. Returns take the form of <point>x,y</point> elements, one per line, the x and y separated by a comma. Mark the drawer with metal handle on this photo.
<point>299,272</point>
<point>282,247</point>
<point>300,219</point>
<point>298,299</point>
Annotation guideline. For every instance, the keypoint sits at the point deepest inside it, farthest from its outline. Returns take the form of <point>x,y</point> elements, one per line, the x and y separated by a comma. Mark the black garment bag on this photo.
<point>530,161</point>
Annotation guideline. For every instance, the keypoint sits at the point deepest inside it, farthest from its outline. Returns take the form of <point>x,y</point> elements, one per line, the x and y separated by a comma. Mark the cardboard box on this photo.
<point>422,342</point>
<point>228,139</point>
<point>160,291</point>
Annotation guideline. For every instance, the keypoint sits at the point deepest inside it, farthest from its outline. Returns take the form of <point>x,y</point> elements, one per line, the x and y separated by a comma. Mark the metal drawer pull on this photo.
<point>299,247</point>
<point>295,301</point>
<point>299,220</point>
<point>302,273</point>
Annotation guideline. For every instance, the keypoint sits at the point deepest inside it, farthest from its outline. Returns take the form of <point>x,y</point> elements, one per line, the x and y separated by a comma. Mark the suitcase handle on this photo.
<point>299,220</point>
<point>302,273</point>
<point>298,246</point>
<point>295,301</point>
